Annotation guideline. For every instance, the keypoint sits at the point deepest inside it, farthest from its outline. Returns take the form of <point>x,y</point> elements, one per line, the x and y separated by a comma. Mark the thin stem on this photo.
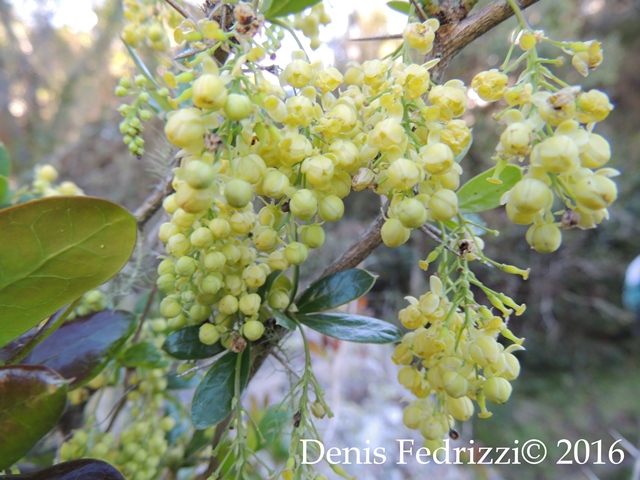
<point>518,13</point>
<point>179,8</point>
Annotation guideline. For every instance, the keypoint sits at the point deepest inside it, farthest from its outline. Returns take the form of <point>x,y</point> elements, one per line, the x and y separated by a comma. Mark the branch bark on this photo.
<point>452,37</point>
<point>153,202</point>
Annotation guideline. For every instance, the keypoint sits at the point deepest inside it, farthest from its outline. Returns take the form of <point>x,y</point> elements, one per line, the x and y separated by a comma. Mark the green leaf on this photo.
<point>352,328</point>
<point>185,344</point>
<point>282,8</point>
<point>143,354</point>
<point>402,7</point>
<point>480,195</point>
<point>199,440</point>
<point>32,399</point>
<point>272,425</point>
<point>335,290</point>
<point>86,469</point>
<point>284,321</point>
<point>80,348</point>
<point>52,251</point>
<point>4,188</point>
<point>213,399</point>
<point>5,161</point>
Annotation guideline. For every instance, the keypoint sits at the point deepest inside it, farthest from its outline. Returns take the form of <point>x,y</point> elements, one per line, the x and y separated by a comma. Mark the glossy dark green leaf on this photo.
<point>284,321</point>
<point>335,290</point>
<point>402,7</point>
<point>185,344</point>
<point>32,399</point>
<point>85,469</point>
<point>52,251</point>
<point>5,161</point>
<point>352,328</point>
<point>282,8</point>
<point>175,382</point>
<point>144,355</point>
<point>213,399</point>
<point>480,195</point>
<point>80,348</point>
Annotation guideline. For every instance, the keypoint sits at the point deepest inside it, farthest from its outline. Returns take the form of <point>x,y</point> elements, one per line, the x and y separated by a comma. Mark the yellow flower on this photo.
<point>421,35</point>
<point>490,85</point>
<point>593,106</point>
<point>415,80</point>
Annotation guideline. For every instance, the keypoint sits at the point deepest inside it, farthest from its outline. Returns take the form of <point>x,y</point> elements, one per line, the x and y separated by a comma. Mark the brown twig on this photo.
<point>179,8</point>
<point>451,38</point>
<point>153,202</point>
<point>360,250</point>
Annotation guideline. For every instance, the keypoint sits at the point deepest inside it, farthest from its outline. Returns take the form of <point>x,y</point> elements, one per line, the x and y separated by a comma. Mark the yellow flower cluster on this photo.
<point>552,127</point>
<point>451,359</point>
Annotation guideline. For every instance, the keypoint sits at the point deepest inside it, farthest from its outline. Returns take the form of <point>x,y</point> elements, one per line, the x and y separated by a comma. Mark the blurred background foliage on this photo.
<point>580,374</point>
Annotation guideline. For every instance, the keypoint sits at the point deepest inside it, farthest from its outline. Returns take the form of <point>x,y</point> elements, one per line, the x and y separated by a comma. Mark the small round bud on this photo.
<point>209,92</point>
<point>220,228</point>
<point>214,261</point>
<point>516,139</point>
<point>170,307</point>
<point>238,193</point>
<point>237,107</point>
<point>484,350</point>
<point>331,208</point>
<point>403,174</point>
<point>411,212</point>
<point>460,408</point>
<point>228,305</point>
<point>595,192</point>
<point>191,200</point>
<point>275,183</point>
<point>544,238</point>
<point>312,236</point>
<point>185,129</point>
<point>303,204</point>
<point>249,304</point>
<point>431,428</point>
<point>198,174</point>
<point>436,158</point>
<point>201,238</point>
<point>208,334</point>
<point>443,205</point>
<point>393,233</point>
<point>531,195</point>
<point>185,266</point>
<point>296,253</point>
<point>455,384</point>
<point>497,390</point>
<point>254,277</point>
<point>253,330</point>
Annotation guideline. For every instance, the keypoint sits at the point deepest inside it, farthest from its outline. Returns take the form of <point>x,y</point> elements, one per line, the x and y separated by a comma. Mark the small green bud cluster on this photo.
<point>309,21</point>
<point>44,183</point>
